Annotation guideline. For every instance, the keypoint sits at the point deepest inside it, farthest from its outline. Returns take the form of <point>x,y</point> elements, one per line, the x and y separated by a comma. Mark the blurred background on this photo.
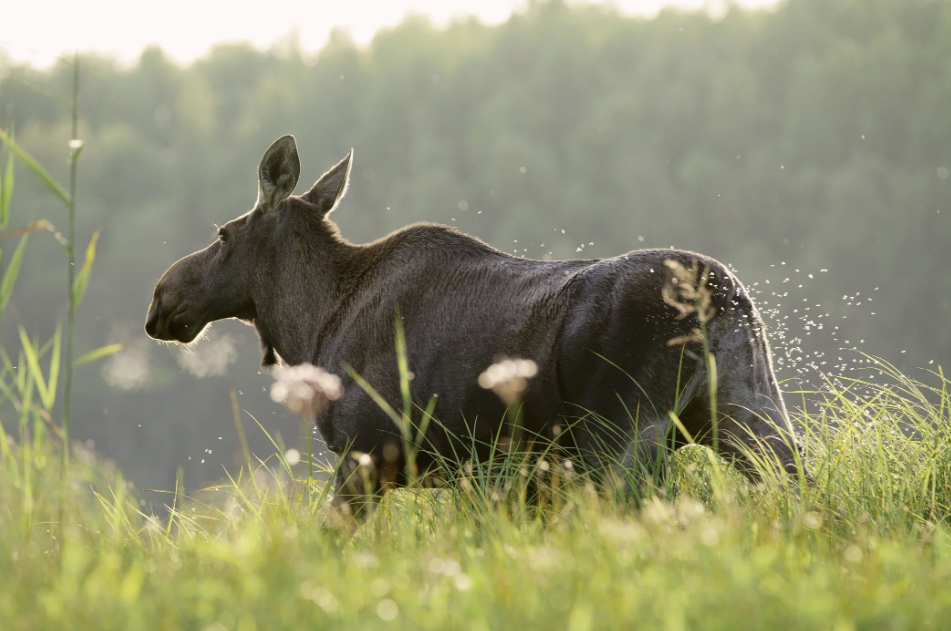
<point>807,143</point>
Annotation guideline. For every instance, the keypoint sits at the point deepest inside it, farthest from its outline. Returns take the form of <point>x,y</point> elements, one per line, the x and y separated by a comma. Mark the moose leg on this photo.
<point>646,457</point>
<point>357,489</point>
<point>362,479</point>
<point>623,451</point>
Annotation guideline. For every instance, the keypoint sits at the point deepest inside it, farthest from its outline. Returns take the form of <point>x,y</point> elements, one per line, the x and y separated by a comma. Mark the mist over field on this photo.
<point>809,146</point>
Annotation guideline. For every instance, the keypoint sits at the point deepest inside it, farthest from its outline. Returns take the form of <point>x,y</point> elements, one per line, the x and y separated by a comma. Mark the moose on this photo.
<point>623,346</point>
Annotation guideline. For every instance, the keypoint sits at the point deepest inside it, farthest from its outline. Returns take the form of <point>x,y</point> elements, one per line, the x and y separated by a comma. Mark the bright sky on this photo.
<point>38,31</point>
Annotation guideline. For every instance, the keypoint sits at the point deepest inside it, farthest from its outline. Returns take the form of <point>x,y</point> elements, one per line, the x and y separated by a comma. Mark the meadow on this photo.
<point>866,545</point>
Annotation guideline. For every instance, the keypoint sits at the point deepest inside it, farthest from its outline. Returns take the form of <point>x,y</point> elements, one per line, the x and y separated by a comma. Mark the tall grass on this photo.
<point>866,545</point>
<point>18,384</point>
<point>74,292</point>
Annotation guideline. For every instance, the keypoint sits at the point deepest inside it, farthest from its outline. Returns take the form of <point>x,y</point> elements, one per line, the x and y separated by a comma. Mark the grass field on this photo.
<point>866,546</point>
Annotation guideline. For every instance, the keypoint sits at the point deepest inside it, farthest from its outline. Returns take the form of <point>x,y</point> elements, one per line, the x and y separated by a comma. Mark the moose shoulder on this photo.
<point>614,340</point>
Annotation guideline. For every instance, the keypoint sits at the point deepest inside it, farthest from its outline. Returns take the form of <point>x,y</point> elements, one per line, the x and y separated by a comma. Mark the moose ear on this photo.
<point>278,172</point>
<point>331,187</point>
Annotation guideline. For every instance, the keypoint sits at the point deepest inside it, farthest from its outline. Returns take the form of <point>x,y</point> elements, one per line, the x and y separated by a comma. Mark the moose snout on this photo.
<point>172,318</point>
<point>164,312</point>
<point>151,320</point>
<point>154,315</point>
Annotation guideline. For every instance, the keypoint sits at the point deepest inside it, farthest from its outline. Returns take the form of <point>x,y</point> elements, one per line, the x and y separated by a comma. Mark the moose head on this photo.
<point>254,265</point>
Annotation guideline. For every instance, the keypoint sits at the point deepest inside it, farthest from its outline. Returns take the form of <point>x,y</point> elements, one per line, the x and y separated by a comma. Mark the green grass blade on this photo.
<point>5,450</point>
<point>373,394</point>
<point>6,194</point>
<point>53,375</point>
<point>36,226</point>
<point>21,374</point>
<point>403,363</point>
<point>10,275</point>
<point>99,353</point>
<point>38,170</point>
<point>82,279</point>
<point>277,446</point>
<point>680,426</point>
<point>33,362</point>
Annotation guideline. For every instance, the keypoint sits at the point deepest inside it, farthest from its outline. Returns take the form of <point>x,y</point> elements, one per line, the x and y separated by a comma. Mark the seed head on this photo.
<point>306,389</point>
<point>292,456</point>
<point>688,292</point>
<point>509,378</point>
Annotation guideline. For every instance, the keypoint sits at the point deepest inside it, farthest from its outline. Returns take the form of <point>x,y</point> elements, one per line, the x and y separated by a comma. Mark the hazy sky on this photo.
<point>40,30</point>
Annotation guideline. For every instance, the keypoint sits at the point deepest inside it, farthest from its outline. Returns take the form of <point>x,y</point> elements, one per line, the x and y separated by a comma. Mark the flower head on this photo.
<point>306,389</point>
<point>689,293</point>
<point>508,378</point>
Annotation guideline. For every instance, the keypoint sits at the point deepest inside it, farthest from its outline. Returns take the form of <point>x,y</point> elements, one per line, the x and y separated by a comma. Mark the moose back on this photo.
<point>617,342</point>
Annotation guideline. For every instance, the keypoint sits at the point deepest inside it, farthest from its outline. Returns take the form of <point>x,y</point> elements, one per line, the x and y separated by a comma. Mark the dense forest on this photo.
<point>809,146</point>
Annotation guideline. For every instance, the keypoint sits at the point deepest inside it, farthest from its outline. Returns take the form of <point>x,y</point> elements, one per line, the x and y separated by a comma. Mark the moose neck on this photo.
<point>301,293</point>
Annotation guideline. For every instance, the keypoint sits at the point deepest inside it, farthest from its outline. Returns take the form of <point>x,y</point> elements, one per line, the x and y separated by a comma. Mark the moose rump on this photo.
<point>615,340</point>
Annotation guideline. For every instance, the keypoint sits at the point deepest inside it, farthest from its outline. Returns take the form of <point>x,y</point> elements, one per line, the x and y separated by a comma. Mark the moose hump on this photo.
<point>610,339</point>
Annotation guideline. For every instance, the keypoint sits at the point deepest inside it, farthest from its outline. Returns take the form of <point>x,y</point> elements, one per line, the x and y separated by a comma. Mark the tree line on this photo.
<point>808,145</point>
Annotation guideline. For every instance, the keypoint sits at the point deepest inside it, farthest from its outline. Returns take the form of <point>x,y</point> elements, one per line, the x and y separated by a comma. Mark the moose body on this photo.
<point>599,331</point>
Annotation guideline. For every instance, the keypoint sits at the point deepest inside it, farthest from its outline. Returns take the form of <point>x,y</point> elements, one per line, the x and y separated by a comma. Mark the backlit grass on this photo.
<point>866,546</point>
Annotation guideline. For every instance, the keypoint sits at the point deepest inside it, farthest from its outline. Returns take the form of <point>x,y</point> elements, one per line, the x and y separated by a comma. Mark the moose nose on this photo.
<point>151,321</point>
